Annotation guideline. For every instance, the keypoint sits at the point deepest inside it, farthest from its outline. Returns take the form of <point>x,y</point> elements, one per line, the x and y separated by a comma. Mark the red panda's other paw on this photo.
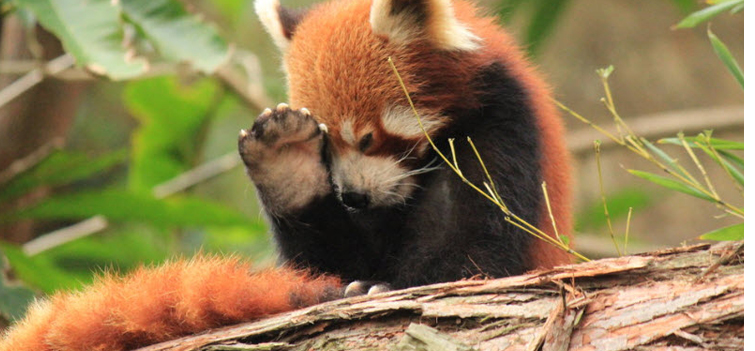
<point>365,287</point>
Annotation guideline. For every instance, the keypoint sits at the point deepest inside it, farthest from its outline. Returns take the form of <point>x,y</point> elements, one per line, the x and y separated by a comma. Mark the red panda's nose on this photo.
<point>355,199</point>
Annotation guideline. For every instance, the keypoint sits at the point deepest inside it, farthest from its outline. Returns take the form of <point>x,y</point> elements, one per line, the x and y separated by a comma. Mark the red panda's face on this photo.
<point>372,164</point>
<point>336,60</point>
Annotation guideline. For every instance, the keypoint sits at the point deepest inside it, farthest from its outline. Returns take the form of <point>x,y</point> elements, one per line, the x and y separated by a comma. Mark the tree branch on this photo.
<point>650,302</point>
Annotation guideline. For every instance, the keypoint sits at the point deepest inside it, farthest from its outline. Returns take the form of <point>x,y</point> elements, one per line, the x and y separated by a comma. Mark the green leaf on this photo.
<point>733,171</point>
<point>671,184</point>
<point>667,159</point>
<point>90,31</point>
<point>14,297</point>
<point>724,54</point>
<point>133,207</point>
<point>542,23</point>
<point>171,115</point>
<point>686,6</point>
<point>734,232</point>
<point>618,203</point>
<point>718,144</point>
<point>38,271</point>
<point>61,168</point>
<point>707,13</point>
<point>733,158</point>
<point>508,8</point>
<point>177,35</point>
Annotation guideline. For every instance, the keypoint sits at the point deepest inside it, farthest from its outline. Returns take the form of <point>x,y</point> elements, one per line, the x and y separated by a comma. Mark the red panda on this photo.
<point>348,181</point>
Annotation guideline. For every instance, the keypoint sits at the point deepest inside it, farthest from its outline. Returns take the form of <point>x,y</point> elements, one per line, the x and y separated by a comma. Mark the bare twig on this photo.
<point>248,83</point>
<point>24,164</point>
<point>64,235</point>
<point>663,124</point>
<point>197,175</point>
<point>34,77</point>
<point>96,224</point>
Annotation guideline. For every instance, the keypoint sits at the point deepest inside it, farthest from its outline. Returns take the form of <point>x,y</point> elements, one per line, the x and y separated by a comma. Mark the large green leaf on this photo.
<point>708,13</point>
<point>60,168</point>
<point>672,184</point>
<point>724,54</point>
<point>171,115</point>
<point>133,207</point>
<point>734,232</point>
<point>90,31</point>
<point>176,34</point>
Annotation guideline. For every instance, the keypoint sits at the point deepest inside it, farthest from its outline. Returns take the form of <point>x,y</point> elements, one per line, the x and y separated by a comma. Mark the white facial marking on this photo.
<point>401,121</point>
<point>347,132</point>
<point>381,178</point>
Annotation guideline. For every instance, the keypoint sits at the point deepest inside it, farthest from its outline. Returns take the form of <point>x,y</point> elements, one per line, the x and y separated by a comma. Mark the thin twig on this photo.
<point>27,162</point>
<point>197,175</point>
<point>34,77</point>
<point>247,84</point>
<point>603,197</point>
<point>64,235</point>
<point>96,224</point>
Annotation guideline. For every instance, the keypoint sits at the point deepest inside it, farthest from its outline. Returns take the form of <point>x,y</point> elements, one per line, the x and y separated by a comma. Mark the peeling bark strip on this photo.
<point>666,300</point>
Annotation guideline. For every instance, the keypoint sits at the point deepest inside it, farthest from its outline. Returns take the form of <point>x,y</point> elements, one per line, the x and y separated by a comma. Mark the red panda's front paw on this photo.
<point>278,130</point>
<point>282,152</point>
<point>284,126</point>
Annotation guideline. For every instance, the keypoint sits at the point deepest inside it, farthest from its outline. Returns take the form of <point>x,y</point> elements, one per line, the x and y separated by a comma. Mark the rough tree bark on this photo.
<point>683,299</point>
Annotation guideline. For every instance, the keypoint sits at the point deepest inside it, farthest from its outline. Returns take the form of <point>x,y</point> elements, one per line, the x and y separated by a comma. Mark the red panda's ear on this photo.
<point>403,21</point>
<point>280,22</point>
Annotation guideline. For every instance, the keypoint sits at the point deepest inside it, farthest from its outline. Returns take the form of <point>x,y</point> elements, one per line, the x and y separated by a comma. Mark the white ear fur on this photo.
<point>436,21</point>
<point>269,13</point>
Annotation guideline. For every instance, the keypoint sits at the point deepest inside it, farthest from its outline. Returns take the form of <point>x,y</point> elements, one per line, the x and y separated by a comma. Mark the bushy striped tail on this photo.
<point>152,305</point>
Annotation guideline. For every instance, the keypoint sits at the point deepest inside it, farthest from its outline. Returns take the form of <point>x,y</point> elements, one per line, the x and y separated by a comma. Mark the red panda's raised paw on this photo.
<point>282,152</point>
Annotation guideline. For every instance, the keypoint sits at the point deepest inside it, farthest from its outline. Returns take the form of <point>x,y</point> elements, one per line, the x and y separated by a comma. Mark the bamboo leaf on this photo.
<point>734,232</point>
<point>733,158</point>
<point>718,144</point>
<point>14,297</point>
<point>668,159</point>
<point>91,31</point>
<point>686,6</point>
<point>671,184</point>
<point>38,271</point>
<point>733,171</point>
<point>61,168</point>
<point>542,23</point>
<point>707,13</point>
<point>724,54</point>
<point>133,207</point>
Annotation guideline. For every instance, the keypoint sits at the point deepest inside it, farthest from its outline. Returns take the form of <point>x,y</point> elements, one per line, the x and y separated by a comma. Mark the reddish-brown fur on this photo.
<point>335,98</point>
<point>184,297</point>
<point>156,304</point>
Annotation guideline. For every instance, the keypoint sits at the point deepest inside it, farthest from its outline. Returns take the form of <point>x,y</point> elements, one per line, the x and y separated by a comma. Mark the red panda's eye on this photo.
<point>365,142</point>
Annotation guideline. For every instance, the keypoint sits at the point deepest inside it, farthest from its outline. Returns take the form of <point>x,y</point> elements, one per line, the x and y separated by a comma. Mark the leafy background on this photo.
<point>129,156</point>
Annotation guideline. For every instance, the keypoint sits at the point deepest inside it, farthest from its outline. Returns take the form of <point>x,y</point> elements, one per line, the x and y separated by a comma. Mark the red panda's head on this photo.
<point>335,59</point>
